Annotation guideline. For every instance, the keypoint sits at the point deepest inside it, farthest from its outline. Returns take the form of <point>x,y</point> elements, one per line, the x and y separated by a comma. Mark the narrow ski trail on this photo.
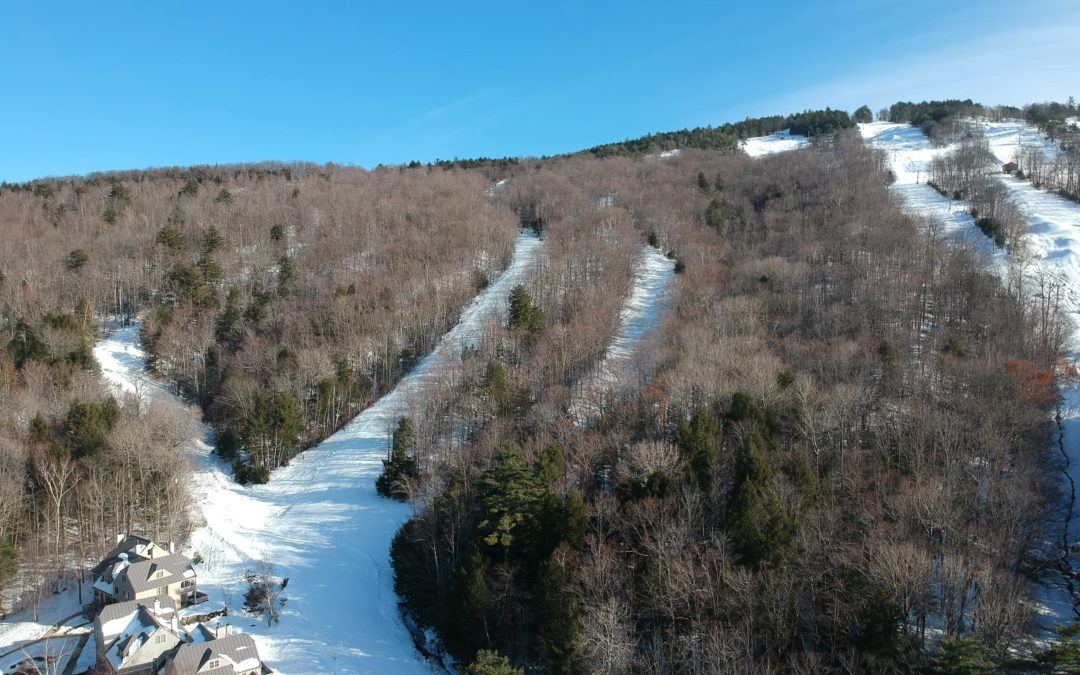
<point>319,521</point>
<point>622,367</point>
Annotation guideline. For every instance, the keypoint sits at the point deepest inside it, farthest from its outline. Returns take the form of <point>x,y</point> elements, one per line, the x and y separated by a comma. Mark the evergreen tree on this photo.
<point>702,181</point>
<point>511,502</point>
<point>287,420</point>
<point>286,275</point>
<point>577,519</point>
<point>223,197</point>
<point>25,345</point>
<point>523,313</point>
<point>757,523</point>
<point>496,385</point>
<point>488,662</point>
<point>699,445</point>
<point>963,656</point>
<point>229,331</point>
<point>863,115</point>
<point>87,426</point>
<point>39,429</point>
<point>191,188</point>
<point>277,232</point>
<point>77,259</point>
<point>722,216</point>
<point>171,238</point>
<point>212,241</point>
<point>552,464</point>
<point>400,464</point>
<point>557,618</point>
<point>1064,655</point>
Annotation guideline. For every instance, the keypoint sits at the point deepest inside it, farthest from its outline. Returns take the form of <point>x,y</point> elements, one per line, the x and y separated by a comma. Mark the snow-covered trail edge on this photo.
<point>621,366</point>
<point>1053,243</point>
<point>319,520</point>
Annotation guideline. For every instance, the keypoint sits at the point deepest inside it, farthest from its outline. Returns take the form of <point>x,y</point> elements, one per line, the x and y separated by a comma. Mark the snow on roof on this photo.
<point>114,618</point>
<point>237,651</point>
<point>137,629</point>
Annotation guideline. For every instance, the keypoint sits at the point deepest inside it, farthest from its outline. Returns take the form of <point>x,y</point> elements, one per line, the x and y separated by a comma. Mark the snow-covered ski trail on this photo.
<point>1053,244</point>
<point>639,316</point>
<point>319,521</point>
<point>909,154</point>
<point>781,141</point>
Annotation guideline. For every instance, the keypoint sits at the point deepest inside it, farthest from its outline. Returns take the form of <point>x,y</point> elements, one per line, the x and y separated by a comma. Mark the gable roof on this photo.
<point>129,626</point>
<point>142,575</point>
<point>237,653</point>
<point>132,545</point>
<point>114,618</point>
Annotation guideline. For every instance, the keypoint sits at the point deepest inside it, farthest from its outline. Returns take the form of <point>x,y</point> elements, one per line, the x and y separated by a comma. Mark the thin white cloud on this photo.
<point>1012,65</point>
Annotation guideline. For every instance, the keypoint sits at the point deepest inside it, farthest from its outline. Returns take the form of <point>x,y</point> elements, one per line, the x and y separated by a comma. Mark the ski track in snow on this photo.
<point>781,141</point>
<point>1053,243</point>
<point>640,315</point>
<point>319,520</point>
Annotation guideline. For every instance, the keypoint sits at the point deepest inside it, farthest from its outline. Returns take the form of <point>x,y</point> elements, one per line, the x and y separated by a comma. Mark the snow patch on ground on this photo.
<point>781,141</point>
<point>319,521</point>
<point>59,619</point>
<point>621,367</point>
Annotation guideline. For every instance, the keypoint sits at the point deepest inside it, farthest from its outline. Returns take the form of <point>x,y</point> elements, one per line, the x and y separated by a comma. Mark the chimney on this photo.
<point>223,630</point>
<point>172,547</point>
<point>157,607</point>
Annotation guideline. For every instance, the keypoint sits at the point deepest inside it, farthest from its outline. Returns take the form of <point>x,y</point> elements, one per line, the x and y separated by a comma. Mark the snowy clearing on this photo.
<point>622,366</point>
<point>319,521</point>
<point>54,636</point>
<point>1052,243</point>
<point>781,141</point>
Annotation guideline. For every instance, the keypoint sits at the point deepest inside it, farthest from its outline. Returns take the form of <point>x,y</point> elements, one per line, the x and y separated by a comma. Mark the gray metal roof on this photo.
<point>190,657</point>
<point>122,609</point>
<point>140,574</point>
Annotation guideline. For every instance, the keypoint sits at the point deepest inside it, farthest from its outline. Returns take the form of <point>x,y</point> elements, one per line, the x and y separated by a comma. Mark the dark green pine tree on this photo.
<point>964,656</point>
<point>558,618</point>
<point>863,115</point>
<point>400,464</point>
<point>495,384</point>
<point>699,444</point>
<point>702,181</point>
<point>39,429</point>
<point>488,662</point>
<point>757,523</point>
<point>287,422</point>
<point>523,313</point>
<point>512,501</point>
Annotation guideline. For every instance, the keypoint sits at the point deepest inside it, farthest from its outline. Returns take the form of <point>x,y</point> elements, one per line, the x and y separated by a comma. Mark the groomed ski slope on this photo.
<point>319,521</point>
<point>909,154</point>
<point>781,141</point>
<point>1053,221</point>
<point>1052,243</point>
<point>621,367</point>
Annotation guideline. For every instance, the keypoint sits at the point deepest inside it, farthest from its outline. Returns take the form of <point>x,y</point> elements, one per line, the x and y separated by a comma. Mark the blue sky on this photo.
<point>97,86</point>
